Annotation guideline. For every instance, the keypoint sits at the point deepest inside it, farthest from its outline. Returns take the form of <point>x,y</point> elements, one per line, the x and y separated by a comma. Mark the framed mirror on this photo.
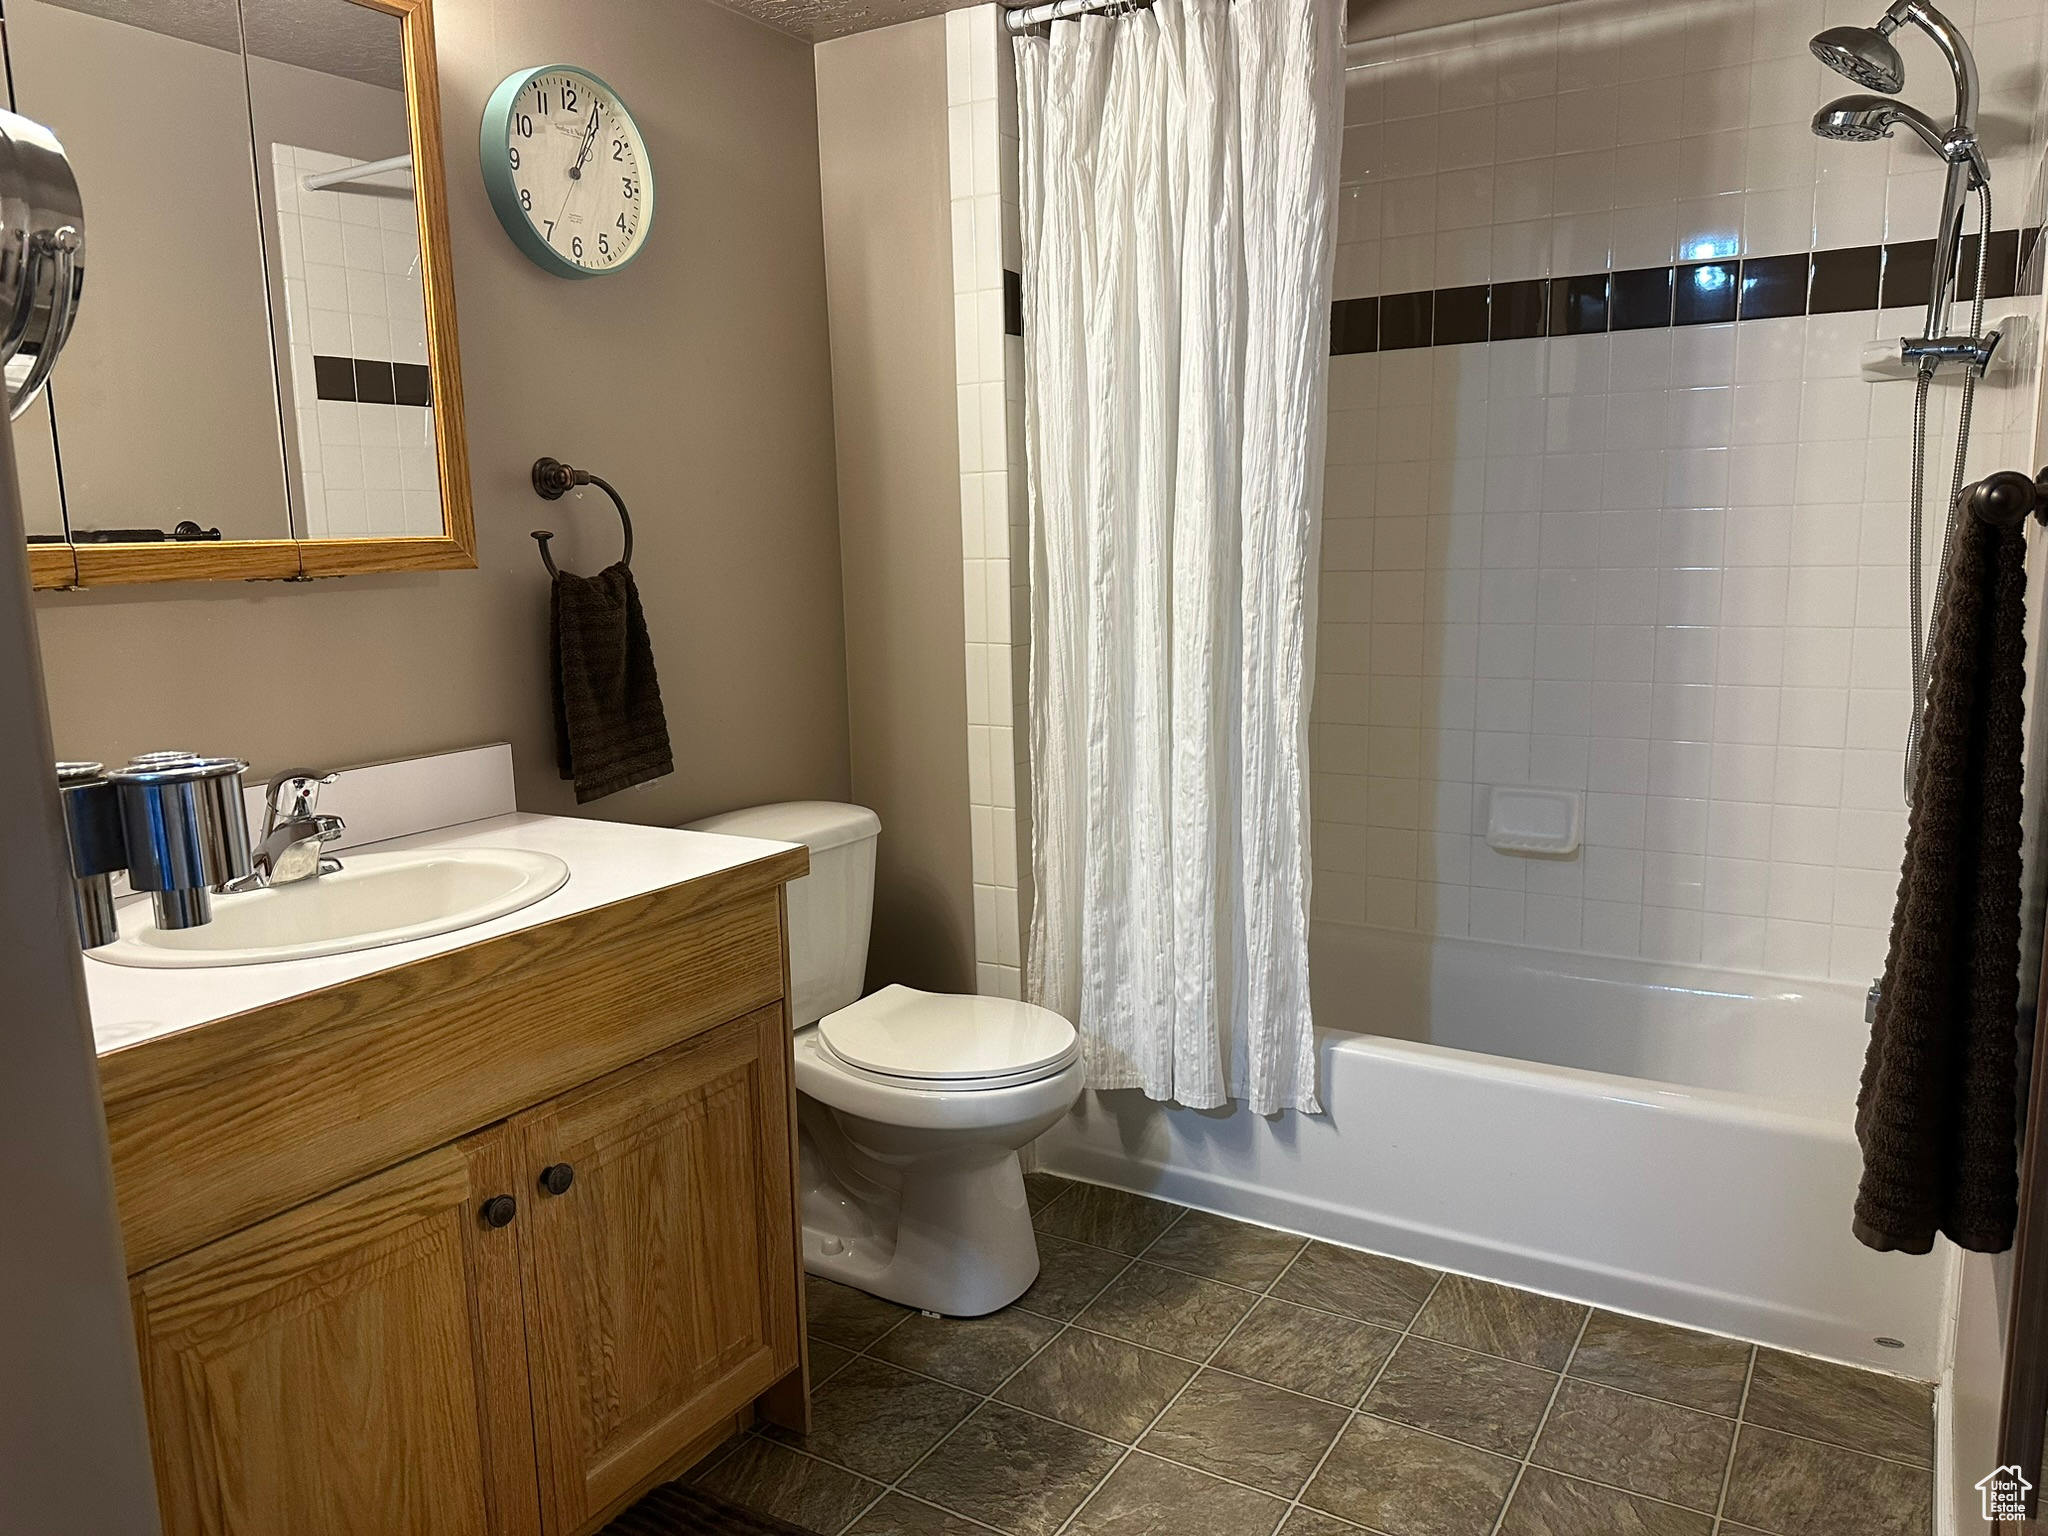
<point>262,381</point>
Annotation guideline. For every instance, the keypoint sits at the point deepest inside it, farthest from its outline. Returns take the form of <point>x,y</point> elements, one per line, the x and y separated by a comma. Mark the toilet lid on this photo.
<point>941,1039</point>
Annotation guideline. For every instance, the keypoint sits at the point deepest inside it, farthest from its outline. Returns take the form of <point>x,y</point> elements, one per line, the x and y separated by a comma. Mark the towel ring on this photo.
<point>552,480</point>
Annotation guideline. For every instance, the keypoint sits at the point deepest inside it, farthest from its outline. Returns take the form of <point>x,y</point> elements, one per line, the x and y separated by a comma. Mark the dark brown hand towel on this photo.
<point>610,732</point>
<point>1937,1116</point>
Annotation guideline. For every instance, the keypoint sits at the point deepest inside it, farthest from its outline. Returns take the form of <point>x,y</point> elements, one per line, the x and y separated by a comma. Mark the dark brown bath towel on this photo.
<point>1937,1116</point>
<point>610,732</point>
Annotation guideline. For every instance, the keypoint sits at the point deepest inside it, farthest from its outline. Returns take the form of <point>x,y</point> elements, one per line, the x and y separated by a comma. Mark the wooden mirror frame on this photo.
<point>454,549</point>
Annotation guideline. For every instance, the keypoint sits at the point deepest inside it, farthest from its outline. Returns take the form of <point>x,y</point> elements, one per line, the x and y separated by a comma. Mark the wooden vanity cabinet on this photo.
<point>511,1334</point>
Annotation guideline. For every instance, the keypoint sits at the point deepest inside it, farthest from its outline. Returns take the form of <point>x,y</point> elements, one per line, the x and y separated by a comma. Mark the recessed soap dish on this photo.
<point>1547,821</point>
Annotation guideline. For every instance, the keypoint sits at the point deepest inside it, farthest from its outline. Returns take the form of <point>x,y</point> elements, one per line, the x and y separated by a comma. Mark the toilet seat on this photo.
<point>947,1043</point>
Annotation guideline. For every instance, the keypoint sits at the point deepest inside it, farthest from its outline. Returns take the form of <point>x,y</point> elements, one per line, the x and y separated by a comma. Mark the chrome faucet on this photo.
<point>294,832</point>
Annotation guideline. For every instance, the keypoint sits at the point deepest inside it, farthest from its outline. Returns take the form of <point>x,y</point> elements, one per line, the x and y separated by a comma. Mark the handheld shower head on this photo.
<point>1862,54</point>
<point>1865,119</point>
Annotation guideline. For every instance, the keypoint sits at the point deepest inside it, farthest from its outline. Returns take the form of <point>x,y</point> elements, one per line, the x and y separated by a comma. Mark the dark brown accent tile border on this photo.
<point>1843,280</point>
<point>372,381</point>
<point>1013,303</point>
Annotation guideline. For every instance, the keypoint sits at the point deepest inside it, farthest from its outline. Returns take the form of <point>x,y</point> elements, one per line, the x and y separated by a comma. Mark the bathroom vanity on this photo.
<point>480,1233</point>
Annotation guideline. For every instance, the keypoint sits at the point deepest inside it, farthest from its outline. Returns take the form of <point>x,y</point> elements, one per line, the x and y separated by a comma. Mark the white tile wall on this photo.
<point>353,289</point>
<point>1665,568</point>
<point>981,97</point>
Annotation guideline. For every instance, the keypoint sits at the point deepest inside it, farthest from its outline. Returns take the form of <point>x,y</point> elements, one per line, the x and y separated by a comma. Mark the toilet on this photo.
<point>912,1106</point>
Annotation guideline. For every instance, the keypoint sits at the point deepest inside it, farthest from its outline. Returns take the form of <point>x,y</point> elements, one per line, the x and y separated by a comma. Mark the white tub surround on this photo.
<point>1176,483</point>
<point>1663,1140</point>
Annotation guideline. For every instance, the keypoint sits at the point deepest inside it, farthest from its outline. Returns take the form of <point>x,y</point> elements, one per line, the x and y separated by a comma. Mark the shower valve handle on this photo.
<point>2007,497</point>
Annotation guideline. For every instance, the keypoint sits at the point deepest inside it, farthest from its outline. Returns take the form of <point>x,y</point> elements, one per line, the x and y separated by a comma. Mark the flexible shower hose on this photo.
<point>1922,633</point>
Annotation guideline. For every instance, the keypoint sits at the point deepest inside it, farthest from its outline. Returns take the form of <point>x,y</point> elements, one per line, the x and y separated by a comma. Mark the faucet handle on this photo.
<point>295,792</point>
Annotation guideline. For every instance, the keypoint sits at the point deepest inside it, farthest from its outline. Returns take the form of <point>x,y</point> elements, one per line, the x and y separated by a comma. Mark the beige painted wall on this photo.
<point>697,380</point>
<point>889,269</point>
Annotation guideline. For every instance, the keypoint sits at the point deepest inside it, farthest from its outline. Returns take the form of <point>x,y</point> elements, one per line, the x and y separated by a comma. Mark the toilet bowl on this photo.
<point>912,1106</point>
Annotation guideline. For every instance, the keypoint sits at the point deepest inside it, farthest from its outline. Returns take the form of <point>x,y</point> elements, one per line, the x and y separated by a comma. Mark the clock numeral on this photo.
<point>526,199</point>
<point>604,244</point>
<point>514,153</point>
<point>551,229</point>
<point>525,126</point>
<point>632,187</point>
<point>576,246</point>
<point>542,104</point>
<point>622,225</point>
<point>568,98</point>
<point>618,149</point>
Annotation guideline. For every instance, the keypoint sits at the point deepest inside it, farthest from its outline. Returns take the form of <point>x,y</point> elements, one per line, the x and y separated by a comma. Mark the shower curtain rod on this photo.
<point>1024,18</point>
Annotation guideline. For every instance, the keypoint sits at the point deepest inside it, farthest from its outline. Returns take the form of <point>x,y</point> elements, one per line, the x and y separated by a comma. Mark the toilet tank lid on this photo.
<point>817,824</point>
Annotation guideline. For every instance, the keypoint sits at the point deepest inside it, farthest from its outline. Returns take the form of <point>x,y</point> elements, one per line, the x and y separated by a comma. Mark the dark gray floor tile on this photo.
<point>1490,1403</point>
<point>1218,1248</point>
<point>775,1480</point>
<point>1165,1309</point>
<point>1106,1386</point>
<point>1246,1431</point>
<point>1793,1487</point>
<point>1307,1351</point>
<point>1700,1370</point>
<point>1500,1320</point>
<point>1660,1449</point>
<point>1041,1189</point>
<point>1147,1497</point>
<point>826,1360</point>
<point>1546,1504</point>
<point>1366,1286</point>
<point>1858,1409</point>
<point>897,1516</point>
<point>1406,1483</point>
<point>1106,1218</point>
<point>1070,1276</point>
<point>839,1314</point>
<point>1018,1473</point>
<point>972,1352</point>
<point>877,1420</point>
<point>1313,1522</point>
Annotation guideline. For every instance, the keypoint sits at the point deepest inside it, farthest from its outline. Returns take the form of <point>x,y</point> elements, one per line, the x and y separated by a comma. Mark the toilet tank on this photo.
<point>830,908</point>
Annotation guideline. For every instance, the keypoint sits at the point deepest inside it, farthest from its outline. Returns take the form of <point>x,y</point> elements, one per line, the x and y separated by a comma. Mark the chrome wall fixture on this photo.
<point>42,255</point>
<point>1867,56</point>
<point>174,821</point>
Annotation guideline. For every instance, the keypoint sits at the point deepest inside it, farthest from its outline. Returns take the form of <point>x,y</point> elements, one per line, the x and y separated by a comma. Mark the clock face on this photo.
<point>574,170</point>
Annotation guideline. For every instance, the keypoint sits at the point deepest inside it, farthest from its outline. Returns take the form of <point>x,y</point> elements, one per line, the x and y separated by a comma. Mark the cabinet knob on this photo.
<point>556,1178</point>
<point>499,1210</point>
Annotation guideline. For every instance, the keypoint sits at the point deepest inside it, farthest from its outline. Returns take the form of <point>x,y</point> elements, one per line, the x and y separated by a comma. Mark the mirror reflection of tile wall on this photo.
<point>360,403</point>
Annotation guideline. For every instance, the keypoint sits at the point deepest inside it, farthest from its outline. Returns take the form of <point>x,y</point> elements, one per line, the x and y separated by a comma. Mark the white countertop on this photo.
<point>608,861</point>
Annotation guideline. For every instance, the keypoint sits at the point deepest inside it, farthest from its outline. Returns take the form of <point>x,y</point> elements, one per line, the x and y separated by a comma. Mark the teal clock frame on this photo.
<point>492,135</point>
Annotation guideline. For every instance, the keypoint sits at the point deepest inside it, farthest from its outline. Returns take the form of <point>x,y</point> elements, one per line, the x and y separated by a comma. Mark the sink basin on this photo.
<point>375,899</point>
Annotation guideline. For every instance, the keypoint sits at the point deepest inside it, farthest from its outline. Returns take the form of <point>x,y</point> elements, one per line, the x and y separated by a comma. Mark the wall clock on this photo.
<point>567,171</point>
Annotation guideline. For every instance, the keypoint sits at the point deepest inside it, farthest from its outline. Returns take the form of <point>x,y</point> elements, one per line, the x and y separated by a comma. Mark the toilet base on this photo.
<point>948,1234</point>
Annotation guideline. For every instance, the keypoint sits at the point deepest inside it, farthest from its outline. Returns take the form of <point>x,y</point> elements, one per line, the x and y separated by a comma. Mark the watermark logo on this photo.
<point>2005,1494</point>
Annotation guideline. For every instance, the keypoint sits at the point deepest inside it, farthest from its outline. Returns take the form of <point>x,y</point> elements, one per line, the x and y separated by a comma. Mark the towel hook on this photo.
<point>552,480</point>
<point>2007,497</point>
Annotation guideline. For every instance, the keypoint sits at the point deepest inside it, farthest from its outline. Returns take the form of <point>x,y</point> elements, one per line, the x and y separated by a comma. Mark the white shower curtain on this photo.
<point>1179,166</point>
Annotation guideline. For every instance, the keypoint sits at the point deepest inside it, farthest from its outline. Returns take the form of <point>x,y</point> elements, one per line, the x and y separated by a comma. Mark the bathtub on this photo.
<point>1671,1141</point>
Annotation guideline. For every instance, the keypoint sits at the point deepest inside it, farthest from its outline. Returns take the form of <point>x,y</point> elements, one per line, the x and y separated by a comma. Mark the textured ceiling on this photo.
<point>335,37</point>
<point>816,20</point>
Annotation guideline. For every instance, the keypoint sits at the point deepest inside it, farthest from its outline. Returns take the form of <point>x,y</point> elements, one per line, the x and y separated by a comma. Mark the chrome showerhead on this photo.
<point>1865,119</point>
<point>1863,54</point>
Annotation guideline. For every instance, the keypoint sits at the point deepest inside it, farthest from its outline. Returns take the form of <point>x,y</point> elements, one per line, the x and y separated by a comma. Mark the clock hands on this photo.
<point>583,153</point>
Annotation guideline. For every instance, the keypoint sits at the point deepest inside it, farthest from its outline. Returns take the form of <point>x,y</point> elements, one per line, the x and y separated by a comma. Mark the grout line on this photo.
<point>1543,1423</point>
<point>1352,1418</point>
<point>1728,1471</point>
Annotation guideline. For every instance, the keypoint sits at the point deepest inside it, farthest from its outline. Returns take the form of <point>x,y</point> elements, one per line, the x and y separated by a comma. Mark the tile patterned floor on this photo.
<point>1172,1372</point>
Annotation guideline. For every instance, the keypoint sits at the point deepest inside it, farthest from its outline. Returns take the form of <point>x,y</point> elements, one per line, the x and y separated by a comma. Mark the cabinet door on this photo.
<point>320,1373</point>
<point>662,1285</point>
